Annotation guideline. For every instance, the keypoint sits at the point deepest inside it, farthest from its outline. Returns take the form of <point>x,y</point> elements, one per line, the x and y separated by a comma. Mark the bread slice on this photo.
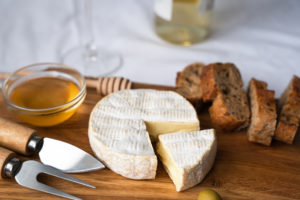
<point>263,113</point>
<point>218,77</point>
<point>222,83</point>
<point>289,118</point>
<point>230,112</point>
<point>188,82</point>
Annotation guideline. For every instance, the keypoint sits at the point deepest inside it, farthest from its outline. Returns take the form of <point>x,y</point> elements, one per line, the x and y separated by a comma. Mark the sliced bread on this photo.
<point>263,113</point>
<point>222,84</point>
<point>230,112</point>
<point>289,105</point>
<point>188,82</point>
<point>218,77</point>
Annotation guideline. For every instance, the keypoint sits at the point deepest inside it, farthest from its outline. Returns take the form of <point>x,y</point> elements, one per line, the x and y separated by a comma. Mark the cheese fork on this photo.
<point>26,174</point>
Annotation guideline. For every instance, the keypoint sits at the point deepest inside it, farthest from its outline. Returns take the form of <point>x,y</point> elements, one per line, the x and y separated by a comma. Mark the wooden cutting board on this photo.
<point>242,170</point>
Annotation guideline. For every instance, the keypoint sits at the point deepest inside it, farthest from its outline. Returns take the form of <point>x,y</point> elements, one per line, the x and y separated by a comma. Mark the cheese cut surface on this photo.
<point>122,123</point>
<point>157,128</point>
<point>187,156</point>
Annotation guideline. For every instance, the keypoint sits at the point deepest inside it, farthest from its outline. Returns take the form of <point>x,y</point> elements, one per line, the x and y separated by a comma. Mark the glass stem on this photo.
<point>88,20</point>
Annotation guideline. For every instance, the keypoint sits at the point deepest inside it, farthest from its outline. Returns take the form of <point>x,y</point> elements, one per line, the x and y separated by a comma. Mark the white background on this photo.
<point>262,37</point>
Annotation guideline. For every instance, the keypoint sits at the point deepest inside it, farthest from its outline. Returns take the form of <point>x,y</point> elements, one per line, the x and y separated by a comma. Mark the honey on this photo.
<point>42,93</point>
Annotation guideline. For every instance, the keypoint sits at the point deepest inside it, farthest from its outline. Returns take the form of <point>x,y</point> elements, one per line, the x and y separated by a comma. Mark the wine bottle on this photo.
<point>183,22</point>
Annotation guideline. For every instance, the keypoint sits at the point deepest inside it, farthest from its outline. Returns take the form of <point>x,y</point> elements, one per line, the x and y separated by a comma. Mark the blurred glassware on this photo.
<point>183,22</point>
<point>90,59</point>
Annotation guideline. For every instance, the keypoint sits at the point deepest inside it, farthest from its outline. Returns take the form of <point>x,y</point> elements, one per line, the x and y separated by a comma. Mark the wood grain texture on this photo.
<point>242,170</point>
<point>14,136</point>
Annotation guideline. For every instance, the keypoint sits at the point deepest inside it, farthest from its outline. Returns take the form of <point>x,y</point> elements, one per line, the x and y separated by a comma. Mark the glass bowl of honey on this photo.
<point>44,94</point>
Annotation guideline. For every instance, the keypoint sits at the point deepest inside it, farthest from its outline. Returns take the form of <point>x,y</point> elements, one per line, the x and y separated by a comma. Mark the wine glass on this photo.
<point>89,59</point>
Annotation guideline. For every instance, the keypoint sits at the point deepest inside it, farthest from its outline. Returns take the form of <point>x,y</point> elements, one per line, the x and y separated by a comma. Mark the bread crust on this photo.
<point>289,104</point>
<point>208,83</point>
<point>263,113</point>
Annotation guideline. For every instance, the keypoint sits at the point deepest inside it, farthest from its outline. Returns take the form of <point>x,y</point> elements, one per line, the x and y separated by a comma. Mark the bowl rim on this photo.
<point>81,93</point>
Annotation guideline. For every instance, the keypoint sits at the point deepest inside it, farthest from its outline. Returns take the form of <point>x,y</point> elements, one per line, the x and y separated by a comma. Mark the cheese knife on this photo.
<point>58,154</point>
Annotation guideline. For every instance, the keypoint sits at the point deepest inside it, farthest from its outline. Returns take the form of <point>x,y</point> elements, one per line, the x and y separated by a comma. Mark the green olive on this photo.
<point>208,195</point>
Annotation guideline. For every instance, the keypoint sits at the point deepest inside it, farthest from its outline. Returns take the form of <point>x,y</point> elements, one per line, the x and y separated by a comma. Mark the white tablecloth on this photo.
<point>262,37</point>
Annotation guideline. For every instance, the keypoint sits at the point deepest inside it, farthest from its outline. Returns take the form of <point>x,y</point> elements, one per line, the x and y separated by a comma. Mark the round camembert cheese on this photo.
<point>123,124</point>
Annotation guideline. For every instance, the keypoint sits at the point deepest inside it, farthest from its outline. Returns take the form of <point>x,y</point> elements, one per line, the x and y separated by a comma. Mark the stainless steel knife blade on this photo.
<point>67,158</point>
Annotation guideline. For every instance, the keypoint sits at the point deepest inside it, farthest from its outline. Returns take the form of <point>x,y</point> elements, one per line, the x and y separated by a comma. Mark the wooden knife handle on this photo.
<point>107,85</point>
<point>5,156</point>
<point>15,136</point>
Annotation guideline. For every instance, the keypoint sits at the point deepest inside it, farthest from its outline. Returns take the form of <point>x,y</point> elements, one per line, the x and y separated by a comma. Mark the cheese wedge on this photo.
<point>187,156</point>
<point>122,123</point>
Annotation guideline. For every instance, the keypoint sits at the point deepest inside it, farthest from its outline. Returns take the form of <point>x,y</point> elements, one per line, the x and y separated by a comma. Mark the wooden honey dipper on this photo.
<point>107,85</point>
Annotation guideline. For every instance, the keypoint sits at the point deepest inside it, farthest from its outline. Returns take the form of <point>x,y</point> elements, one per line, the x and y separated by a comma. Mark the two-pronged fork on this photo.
<point>26,173</point>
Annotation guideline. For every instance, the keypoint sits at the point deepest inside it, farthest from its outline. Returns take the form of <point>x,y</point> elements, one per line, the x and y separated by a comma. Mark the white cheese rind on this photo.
<point>187,156</point>
<point>130,166</point>
<point>117,130</point>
